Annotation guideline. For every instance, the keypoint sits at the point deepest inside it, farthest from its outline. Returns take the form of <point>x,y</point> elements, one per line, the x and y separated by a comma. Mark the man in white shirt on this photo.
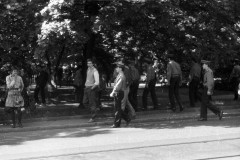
<point>91,88</point>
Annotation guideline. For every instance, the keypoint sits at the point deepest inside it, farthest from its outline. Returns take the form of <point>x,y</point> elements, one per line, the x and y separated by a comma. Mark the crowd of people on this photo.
<point>125,89</point>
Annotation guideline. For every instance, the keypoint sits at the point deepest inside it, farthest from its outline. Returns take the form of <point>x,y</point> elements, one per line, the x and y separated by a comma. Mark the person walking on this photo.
<point>134,86</point>
<point>208,84</point>
<point>235,78</point>
<point>78,85</point>
<point>91,90</point>
<point>174,80</point>
<point>41,82</point>
<point>151,80</point>
<point>194,81</point>
<point>118,94</point>
<point>26,90</point>
<point>14,98</point>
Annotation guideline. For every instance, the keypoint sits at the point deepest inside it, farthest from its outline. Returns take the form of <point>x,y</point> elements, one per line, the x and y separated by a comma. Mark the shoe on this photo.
<point>181,109</point>
<point>220,115</point>
<point>173,109</point>
<point>127,122</point>
<point>20,125</point>
<point>202,119</point>
<point>14,126</point>
<point>114,126</point>
<point>91,120</point>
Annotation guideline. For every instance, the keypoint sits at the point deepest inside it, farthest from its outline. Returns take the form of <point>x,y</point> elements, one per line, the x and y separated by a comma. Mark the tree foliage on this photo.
<point>61,31</point>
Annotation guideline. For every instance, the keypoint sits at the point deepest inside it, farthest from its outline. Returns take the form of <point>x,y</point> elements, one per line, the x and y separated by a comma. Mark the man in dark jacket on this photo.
<point>174,80</point>
<point>194,81</point>
<point>41,82</point>
<point>208,84</point>
<point>235,78</point>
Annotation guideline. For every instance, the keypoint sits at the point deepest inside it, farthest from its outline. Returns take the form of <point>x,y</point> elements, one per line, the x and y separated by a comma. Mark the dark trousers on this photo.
<point>151,89</point>
<point>174,92</point>
<point>40,89</point>
<point>16,111</point>
<point>91,98</point>
<point>119,113</point>
<point>193,91</point>
<point>79,92</point>
<point>235,83</point>
<point>206,104</point>
<point>132,96</point>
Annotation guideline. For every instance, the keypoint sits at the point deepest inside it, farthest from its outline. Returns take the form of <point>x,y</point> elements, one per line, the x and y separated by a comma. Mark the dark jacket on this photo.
<point>42,79</point>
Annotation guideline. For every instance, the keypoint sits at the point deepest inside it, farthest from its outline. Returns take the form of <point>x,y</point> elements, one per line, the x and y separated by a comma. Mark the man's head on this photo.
<point>89,62</point>
<point>120,67</point>
<point>14,71</point>
<point>205,64</point>
<point>155,62</point>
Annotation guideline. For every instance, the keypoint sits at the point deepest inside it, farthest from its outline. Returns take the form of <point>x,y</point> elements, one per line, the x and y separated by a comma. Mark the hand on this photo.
<point>112,94</point>
<point>93,87</point>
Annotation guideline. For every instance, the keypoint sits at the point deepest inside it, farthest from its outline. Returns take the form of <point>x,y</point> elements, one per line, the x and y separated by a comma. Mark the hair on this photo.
<point>194,59</point>
<point>14,68</point>
<point>122,67</point>
<point>89,60</point>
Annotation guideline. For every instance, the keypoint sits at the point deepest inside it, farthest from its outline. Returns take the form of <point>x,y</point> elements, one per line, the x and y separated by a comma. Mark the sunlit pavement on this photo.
<point>183,139</point>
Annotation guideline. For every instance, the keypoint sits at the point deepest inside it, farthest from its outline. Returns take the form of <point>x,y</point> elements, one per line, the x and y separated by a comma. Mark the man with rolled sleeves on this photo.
<point>208,86</point>
<point>118,94</point>
<point>235,78</point>
<point>194,80</point>
<point>91,89</point>
<point>174,80</point>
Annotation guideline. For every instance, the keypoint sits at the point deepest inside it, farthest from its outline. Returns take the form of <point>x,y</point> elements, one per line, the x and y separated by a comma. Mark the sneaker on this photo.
<point>114,126</point>
<point>91,120</point>
<point>202,119</point>
<point>127,122</point>
<point>220,115</point>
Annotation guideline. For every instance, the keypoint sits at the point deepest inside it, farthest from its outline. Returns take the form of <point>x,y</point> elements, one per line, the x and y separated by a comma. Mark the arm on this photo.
<point>21,84</point>
<point>96,78</point>
<point>10,83</point>
<point>117,86</point>
<point>169,72</point>
<point>210,82</point>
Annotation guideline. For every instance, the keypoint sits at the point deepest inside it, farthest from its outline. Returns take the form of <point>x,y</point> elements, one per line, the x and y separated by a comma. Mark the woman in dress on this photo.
<point>14,98</point>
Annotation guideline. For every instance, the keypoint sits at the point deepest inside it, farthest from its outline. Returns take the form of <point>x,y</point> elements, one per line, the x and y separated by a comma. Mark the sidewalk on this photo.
<point>106,120</point>
<point>65,114</point>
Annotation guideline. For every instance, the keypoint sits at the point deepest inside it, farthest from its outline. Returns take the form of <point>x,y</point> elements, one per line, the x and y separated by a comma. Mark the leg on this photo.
<point>93,101</point>
<point>205,101</point>
<point>213,108</point>
<point>171,94</point>
<point>176,93</point>
<point>144,97</point>
<point>153,93</point>
<point>86,96</point>
<point>13,117</point>
<point>42,90</point>
<point>36,91</point>
<point>125,98</point>
<point>191,94</point>
<point>19,113</point>
<point>118,103</point>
